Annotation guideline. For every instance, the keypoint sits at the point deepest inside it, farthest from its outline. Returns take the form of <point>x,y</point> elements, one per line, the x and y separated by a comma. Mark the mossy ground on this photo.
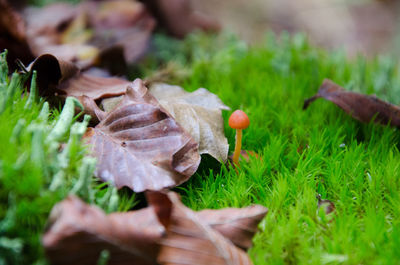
<point>303,153</point>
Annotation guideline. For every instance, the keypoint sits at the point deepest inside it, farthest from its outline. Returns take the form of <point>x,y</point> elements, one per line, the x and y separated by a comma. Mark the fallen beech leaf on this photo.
<point>199,113</point>
<point>140,146</point>
<point>191,241</point>
<point>94,87</point>
<point>238,225</point>
<point>361,107</point>
<point>166,232</point>
<point>77,233</point>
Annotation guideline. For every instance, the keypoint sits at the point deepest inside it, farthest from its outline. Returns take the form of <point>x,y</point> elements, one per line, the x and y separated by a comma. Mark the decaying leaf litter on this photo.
<point>78,81</point>
<point>109,34</point>
<point>166,232</point>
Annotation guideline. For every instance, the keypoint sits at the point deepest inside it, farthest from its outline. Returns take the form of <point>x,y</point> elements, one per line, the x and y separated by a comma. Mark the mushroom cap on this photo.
<point>239,120</point>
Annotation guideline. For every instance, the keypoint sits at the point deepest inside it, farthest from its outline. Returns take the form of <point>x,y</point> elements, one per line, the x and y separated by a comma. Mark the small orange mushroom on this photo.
<point>239,121</point>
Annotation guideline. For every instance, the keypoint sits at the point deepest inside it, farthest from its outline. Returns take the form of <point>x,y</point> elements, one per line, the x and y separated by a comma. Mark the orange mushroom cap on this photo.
<point>239,120</point>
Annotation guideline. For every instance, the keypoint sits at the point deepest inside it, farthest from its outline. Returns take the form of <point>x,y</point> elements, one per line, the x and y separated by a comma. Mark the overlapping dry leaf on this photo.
<point>166,232</point>
<point>140,146</point>
<point>190,240</point>
<point>109,34</point>
<point>199,113</point>
<point>238,226</point>
<point>57,77</point>
<point>91,32</point>
<point>93,87</point>
<point>77,233</point>
<point>361,107</point>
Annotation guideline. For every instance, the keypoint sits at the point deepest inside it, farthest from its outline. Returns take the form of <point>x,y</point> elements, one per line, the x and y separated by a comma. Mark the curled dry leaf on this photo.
<point>238,225</point>
<point>166,232</point>
<point>77,233</point>
<point>59,77</point>
<point>190,240</point>
<point>361,107</point>
<point>139,145</point>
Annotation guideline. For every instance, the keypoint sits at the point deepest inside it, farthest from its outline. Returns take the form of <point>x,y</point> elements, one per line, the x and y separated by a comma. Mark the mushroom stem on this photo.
<point>238,147</point>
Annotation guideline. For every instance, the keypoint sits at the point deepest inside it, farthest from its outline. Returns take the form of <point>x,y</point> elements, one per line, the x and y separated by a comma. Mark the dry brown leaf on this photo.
<point>361,107</point>
<point>238,225</point>
<point>93,87</point>
<point>191,241</point>
<point>44,27</point>
<point>199,113</point>
<point>140,146</point>
<point>77,233</point>
<point>86,33</point>
<point>166,232</point>
<point>121,23</point>
<point>60,77</point>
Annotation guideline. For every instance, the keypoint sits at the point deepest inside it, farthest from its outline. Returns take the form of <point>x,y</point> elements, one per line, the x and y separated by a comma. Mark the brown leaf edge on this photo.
<point>77,233</point>
<point>190,240</point>
<point>166,231</point>
<point>361,107</point>
<point>238,225</point>
<point>61,78</point>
